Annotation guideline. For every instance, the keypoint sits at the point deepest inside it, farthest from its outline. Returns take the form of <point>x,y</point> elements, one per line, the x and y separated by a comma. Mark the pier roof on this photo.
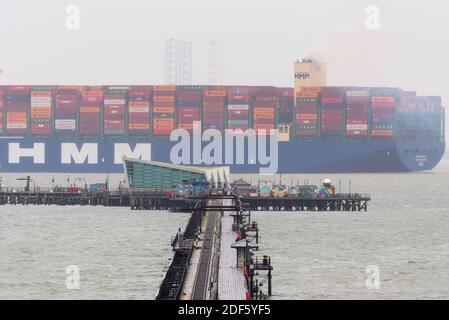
<point>155,174</point>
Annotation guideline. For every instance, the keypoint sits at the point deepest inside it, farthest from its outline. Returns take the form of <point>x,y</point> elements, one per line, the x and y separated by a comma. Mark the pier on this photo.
<point>155,200</point>
<point>216,261</point>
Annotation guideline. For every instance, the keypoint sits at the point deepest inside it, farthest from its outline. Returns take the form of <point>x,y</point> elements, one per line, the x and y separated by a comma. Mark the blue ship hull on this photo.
<point>104,156</point>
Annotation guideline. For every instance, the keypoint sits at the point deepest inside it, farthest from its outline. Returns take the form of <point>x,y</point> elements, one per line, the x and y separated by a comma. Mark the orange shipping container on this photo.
<point>164,98</point>
<point>164,88</point>
<point>164,120</point>
<point>382,133</point>
<point>215,93</point>
<point>41,93</point>
<point>16,116</point>
<point>139,126</point>
<point>261,110</point>
<point>139,104</point>
<point>89,109</point>
<point>41,112</point>
<point>259,128</point>
<point>306,116</point>
<point>188,126</point>
<point>164,109</point>
<point>96,93</point>
<point>72,88</point>
<point>380,99</point>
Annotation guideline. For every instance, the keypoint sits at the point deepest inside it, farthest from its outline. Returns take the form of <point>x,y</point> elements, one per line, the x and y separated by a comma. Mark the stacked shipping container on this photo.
<point>409,123</point>
<point>139,98</point>
<point>286,105</point>
<point>105,110</point>
<point>332,106</point>
<point>264,109</point>
<point>214,109</point>
<point>17,109</point>
<point>238,108</point>
<point>90,112</point>
<point>306,112</point>
<point>41,110</point>
<point>189,106</point>
<point>383,101</point>
<point>114,110</point>
<point>67,99</point>
<point>163,109</point>
<point>357,105</point>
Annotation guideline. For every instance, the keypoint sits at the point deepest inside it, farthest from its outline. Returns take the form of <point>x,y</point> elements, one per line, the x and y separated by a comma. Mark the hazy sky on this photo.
<point>123,42</point>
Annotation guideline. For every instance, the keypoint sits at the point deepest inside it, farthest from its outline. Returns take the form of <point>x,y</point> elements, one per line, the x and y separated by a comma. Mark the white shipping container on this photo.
<point>114,101</point>
<point>238,107</point>
<point>357,93</point>
<point>40,105</point>
<point>41,99</point>
<point>357,127</point>
<point>68,124</point>
<point>14,125</point>
<point>138,109</point>
<point>119,88</point>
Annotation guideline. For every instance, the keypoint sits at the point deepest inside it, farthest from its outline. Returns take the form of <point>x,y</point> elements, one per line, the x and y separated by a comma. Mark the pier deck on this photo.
<point>231,281</point>
<point>149,200</point>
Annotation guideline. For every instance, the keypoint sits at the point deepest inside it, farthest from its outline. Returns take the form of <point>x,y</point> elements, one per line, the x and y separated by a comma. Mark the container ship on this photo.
<point>321,129</point>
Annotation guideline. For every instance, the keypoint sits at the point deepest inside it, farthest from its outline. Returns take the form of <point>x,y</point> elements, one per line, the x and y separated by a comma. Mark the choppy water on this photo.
<point>122,254</point>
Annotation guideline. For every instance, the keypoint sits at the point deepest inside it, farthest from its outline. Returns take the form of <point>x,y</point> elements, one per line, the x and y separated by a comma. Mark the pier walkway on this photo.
<point>216,261</point>
<point>231,281</point>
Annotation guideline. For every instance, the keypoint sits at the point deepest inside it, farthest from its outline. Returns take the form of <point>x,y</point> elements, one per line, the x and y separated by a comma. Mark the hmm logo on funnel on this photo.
<point>233,147</point>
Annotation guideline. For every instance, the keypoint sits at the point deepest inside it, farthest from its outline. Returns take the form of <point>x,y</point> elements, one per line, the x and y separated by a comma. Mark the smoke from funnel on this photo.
<point>351,58</point>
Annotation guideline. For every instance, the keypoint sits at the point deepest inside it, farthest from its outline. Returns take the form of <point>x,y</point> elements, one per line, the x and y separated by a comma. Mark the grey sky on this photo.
<point>124,41</point>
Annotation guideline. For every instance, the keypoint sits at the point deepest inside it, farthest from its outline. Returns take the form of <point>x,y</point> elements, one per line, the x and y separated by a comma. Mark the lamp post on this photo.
<point>83,180</point>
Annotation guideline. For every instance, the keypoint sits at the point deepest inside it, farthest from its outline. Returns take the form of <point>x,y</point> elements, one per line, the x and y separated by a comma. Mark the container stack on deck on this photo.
<point>306,112</point>
<point>318,112</point>
<point>332,106</point>
<point>90,112</point>
<point>264,110</point>
<point>286,105</point>
<point>383,102</point>
<point>163,109</point>
<point>409,120</point>
<point>114,110</point>
<point>357,103</point>
<point>66,105</point>
<point>238,109</point>
<point>214,109</point>
<point>139,110</point>
<point>189,106</point>
<point>17,106</point>
<point>41,110</point>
